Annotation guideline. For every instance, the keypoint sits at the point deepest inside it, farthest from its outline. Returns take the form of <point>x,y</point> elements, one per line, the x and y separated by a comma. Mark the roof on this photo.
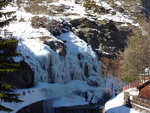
<point>143,85</point>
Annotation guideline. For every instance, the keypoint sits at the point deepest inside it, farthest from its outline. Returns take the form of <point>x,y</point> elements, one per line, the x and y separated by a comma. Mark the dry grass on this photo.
<point>37,9</point>
<point>44,38</point>
<point>32,6</point>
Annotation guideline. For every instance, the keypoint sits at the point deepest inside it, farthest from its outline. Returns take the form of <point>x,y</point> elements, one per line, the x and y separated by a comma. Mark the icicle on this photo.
<point>80,62</point>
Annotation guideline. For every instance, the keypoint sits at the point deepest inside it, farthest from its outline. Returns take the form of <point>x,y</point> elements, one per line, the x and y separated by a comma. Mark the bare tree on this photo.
<point>135,58</point>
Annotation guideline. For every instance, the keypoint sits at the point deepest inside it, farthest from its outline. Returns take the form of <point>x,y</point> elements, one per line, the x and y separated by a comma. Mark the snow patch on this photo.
<point>115,105</point>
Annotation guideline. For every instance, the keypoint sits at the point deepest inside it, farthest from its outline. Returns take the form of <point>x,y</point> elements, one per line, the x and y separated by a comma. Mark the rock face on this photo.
<point>57,46</point>
<point>22,79</point>
<point>44,106</point>
<point>106,38</point>
<point>146,8</point>
<point>33,108</point>
<point>53,26</point>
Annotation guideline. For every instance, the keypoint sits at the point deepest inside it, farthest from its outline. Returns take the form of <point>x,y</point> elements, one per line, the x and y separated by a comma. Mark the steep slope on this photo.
<point>62,42</point>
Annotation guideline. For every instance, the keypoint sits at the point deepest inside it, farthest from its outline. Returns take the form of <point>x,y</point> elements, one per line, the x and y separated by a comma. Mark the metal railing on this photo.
<point>141,102</point>
<point>6,34</point>
<point>131,85</point>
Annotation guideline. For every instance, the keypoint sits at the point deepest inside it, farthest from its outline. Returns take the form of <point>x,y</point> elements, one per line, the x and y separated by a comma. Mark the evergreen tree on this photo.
<point>4,22</point>
<point>7,66</point>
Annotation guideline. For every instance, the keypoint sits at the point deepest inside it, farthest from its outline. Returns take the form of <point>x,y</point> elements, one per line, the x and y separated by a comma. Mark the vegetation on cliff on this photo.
<point>136,57</point>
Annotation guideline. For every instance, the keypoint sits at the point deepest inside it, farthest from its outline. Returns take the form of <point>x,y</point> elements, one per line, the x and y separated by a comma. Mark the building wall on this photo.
<point>145,92</point>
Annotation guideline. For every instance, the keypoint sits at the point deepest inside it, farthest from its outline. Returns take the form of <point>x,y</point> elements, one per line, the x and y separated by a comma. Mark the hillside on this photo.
<point>62,44</point>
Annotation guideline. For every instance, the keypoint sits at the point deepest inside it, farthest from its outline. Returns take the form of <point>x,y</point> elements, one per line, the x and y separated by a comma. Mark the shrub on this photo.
<point>90,4</point>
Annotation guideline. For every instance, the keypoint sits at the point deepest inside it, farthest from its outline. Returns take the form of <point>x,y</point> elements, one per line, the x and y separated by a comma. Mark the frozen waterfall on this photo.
<point>80,62</point>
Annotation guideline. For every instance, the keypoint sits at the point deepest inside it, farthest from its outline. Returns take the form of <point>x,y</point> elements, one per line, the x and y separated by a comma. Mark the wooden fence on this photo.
<point>140,104</point>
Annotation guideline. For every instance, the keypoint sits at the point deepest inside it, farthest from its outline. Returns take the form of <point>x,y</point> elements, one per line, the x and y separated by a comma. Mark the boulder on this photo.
<point>24,78</point>
<point>38,22</point>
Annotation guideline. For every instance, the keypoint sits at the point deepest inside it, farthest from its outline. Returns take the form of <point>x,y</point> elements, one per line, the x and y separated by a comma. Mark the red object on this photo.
<point>144,90</point>
<point>131,85</point>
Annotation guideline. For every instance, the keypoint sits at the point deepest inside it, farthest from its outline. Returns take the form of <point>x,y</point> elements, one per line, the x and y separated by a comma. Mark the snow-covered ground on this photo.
<point>115,105</point>
<point>65,94</point>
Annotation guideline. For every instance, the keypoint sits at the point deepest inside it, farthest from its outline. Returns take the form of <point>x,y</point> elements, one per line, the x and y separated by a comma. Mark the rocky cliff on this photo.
<point>64,40</point>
